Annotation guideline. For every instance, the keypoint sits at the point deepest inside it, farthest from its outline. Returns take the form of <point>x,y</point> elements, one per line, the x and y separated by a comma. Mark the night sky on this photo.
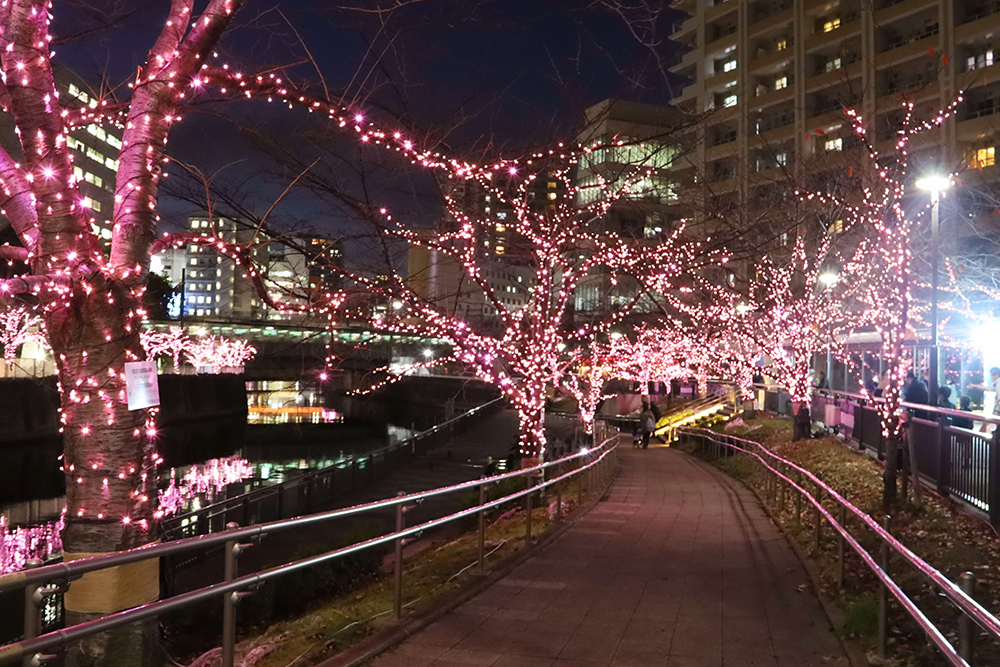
<point>497,76</point>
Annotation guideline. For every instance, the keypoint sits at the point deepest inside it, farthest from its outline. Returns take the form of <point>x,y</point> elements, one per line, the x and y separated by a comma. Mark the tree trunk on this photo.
<point>531,420</point>
<point>891,472</point>
<point>109,467</point>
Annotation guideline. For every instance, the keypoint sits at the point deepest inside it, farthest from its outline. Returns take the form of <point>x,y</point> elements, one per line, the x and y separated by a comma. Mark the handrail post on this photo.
<point>32,619</point>
<point>527,530</point>
<point>840,548</point>
<point>993,478</point>
<point>798,498</point>
<point>482,528</point>
<point>883,596</point>
<point>781,490</point>
<point>559,486</point>
<point>966,628</point>
<point>944,456</point>
<point>817,517</point>
<point>397,591</point>
<point>229,601</point>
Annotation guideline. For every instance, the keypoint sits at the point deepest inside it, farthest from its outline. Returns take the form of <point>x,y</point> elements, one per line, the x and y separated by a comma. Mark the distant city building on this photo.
<point>647,135</point>
<point>322,254</point>
<point>443,281</point>
<point>95,150</point>
<point>169,265</point>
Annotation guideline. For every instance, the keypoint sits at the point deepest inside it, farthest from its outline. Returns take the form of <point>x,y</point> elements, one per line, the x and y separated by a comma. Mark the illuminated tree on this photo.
<point>218,353</point>
<point>879,274</point>
<point>17,327</point>
<point>171,342</point>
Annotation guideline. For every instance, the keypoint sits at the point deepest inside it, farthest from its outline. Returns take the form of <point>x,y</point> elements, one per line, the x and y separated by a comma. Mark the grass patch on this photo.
<point>947,539</point>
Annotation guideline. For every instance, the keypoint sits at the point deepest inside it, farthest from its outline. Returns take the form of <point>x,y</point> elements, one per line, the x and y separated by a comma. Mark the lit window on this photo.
<point>832,64</point>
<point>781,82</point>
<point>981,60</point>
<point>729,65</point>
<point>984,157</point>
<point>831,25</point>
<point>78,173</point>
<point>834,144</point>
<point>194,224</point>
<point>836,228</point>
<point>193,261</point>
<point>782,158</point>
<point>781,45</point>
<point>501,228</point>
<point>552,195</point>
<point>552,184</point>
<point>500,249</point>
<point>729,101</point>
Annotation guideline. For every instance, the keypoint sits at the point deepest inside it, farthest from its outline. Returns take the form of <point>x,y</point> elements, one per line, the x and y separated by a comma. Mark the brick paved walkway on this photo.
<point>678,568</point>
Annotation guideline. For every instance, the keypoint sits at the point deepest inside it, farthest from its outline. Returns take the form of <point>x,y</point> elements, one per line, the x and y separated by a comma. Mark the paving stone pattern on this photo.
<point>678,567</point>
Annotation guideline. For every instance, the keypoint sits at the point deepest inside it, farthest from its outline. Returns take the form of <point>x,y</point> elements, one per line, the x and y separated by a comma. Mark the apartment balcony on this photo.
<point>908,48</point>
<point>915,88</point>
<point>719,80</point>
<point>773,97</point>
<point>979,120</point>
<point>724,185</point>
<point>723,114</point>
<point>719,10</point>
<point>687,32</point>
<point>771,175</point>
<point>986,20</point>
<point>849,26</point>
<point>899,10</point>
<point>688,61</point>
<point>772,61</point>
<point>989,74</point>
<point>776,133</point>
<point>722,151</point>
<point>834,76</point>
<point>771,22</point>
<point>722,43</point>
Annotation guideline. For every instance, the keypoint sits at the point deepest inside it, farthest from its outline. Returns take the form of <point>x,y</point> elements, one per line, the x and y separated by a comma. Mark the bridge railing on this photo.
<point>302,494</point>
<point>590,468</point>
<point>959,463</point>
<point>783,475</point>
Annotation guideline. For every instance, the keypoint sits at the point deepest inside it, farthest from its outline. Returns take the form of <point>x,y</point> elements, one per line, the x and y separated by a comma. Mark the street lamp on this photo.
<point>935,185</point>
<point>829,278</point>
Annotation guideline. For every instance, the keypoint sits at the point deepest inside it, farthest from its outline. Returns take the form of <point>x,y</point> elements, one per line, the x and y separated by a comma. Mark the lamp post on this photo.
<point>935,185</point>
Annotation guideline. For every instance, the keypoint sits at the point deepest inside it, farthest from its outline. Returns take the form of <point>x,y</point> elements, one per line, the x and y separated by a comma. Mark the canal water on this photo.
<point>205,461</point>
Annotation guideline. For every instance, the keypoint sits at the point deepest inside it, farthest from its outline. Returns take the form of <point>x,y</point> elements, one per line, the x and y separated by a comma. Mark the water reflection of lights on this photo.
<point>293,414</point>
<point>19,544</point>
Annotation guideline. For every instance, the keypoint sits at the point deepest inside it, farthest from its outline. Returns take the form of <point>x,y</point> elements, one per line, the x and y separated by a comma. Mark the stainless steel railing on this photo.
<point>778,475</point>
<point>591,468</point>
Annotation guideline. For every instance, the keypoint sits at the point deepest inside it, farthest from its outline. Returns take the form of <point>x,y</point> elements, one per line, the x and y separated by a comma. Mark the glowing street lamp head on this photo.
<point>428,353</point>
<point>828,279</point>
<point>934,183</point>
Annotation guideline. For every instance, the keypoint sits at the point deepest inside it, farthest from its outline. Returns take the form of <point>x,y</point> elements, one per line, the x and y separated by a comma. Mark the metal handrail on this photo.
<point>60,638</point>
<point>960,598</point>
<point>270,490</point>
<point>946,412</point>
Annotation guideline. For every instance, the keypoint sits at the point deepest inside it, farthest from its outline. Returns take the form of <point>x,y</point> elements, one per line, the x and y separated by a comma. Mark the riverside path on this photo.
<point>677,567</point>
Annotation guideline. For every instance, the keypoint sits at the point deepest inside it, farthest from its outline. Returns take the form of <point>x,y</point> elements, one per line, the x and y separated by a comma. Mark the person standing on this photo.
<point>916,392</point>
<point>993,386</point>
<point>646,423</point>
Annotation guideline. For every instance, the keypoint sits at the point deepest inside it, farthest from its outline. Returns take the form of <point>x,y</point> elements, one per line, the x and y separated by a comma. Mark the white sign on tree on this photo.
<point>141,384</point>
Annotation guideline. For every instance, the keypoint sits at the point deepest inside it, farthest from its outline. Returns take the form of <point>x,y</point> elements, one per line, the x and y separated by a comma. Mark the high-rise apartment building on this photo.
<point>776,75</point>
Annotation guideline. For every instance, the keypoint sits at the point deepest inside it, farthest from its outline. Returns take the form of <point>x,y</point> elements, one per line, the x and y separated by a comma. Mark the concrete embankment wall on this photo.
<point>29,407</point>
